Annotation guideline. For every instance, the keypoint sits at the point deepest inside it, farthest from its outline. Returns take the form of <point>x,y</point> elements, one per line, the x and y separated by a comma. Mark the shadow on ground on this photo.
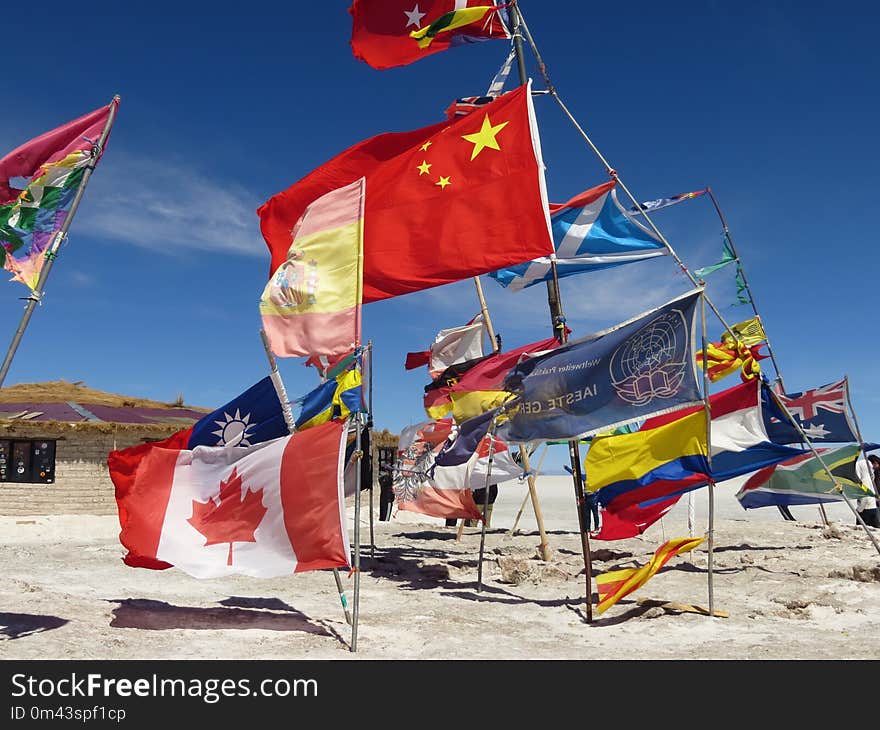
<point>18,625</point>
<point>269,614</point>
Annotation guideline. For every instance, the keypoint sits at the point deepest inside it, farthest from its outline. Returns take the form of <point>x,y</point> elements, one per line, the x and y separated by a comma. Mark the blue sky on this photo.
<point>155,294</point>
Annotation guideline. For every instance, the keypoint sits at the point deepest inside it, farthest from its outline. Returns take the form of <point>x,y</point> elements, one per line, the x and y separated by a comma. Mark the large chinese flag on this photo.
<point>388,33</point>
<point>442,203</point>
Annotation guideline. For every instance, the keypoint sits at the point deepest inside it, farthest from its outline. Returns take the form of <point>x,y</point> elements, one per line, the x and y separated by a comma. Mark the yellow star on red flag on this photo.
<point>485,137</point>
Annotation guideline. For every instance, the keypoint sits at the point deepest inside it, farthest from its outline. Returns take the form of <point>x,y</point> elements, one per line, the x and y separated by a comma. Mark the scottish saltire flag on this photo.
<point>803,480</point>
<point>312,303</point>
<point>639,368</point>
<point>53,165</point>
<point>591,232</point>
<point>821,413</point>
<point>652,205</point>
<point>332,400</point>
<point>615,584</point>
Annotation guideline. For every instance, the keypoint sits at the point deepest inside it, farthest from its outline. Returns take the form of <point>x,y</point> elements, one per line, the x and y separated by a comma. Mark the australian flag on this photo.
<point>821,413</point>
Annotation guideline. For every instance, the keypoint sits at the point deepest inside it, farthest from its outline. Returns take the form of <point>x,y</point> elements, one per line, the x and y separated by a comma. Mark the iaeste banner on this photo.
<point>642,367</point>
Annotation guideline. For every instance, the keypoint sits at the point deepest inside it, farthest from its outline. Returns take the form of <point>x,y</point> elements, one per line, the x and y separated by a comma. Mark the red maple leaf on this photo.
<point>232,518</point>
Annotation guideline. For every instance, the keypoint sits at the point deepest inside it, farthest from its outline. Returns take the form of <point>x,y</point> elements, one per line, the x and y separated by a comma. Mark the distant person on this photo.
<point>480,498</point>
<point>869,474</point>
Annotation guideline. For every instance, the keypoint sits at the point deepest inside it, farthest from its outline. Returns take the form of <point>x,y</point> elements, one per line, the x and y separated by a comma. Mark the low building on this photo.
<point>55,438</point>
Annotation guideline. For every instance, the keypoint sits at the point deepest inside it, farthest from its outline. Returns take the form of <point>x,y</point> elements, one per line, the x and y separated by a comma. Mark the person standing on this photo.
<point>868,472</point>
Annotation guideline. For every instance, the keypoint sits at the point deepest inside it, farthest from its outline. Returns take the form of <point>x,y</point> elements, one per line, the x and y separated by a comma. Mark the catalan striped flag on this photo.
<point>616,584</point>
<point>312,303</point>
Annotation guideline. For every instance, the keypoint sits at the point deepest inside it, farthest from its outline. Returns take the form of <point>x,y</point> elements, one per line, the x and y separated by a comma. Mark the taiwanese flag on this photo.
<point>442,203</point>
<point>388,33</point>
<point>267,510</point>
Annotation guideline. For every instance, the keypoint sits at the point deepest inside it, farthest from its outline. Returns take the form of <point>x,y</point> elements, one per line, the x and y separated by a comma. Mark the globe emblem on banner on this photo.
<point>652,363</point>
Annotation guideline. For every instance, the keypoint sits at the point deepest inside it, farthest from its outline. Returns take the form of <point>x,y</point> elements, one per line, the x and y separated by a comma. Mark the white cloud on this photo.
<point>168,207</point>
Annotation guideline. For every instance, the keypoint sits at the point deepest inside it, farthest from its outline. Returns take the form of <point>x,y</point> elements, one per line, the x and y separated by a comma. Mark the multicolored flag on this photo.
<point>639,368</point>
<point>443,189</point>
<point>272,509</point>
<point>651,205</point>
<point>591,232</point>
<point>312,303</point>
<point>615,584</point>
<point>803,480</point>
<point>389,33</point>
<point>821,413</point>
<point>53,164</point>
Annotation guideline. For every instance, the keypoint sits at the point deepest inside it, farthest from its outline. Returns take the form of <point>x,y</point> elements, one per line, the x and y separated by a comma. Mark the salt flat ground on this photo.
<point>792,590</point>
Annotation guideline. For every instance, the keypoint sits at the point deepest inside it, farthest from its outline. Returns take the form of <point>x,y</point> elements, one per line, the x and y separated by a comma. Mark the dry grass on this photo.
<point>60,391</point>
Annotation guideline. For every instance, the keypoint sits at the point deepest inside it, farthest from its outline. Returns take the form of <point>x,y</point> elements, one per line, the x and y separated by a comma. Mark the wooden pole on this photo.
<point>529,492</point>
<point>289,420</point>
<point>486,503</point>
<point>546,553</point>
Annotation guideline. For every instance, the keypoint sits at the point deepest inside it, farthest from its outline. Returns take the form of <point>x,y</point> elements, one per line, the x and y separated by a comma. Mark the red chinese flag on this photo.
<point>380,29</point>
<point>443,203</point>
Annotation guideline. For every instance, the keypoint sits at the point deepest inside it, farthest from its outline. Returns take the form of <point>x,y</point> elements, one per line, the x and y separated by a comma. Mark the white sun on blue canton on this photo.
<point>234,430</point>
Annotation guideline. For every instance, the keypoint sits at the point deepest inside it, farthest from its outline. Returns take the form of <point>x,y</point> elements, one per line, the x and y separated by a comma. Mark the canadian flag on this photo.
<point>272,509</point>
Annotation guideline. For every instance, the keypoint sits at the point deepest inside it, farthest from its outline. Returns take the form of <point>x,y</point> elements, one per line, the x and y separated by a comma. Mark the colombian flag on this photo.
<point>616,584</point>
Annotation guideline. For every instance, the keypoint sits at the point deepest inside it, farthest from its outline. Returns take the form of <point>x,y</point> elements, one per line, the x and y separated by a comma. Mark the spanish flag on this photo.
<point>312,303</point>
<point>616,584</point>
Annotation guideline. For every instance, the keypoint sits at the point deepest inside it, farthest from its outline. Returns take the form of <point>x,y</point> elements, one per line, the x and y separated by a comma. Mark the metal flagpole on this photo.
<point>291,426</point>
<point>357,535</point>
<point>824,467</point>
<point>613,173</point>
<point>726,232</point>
<point>708,412</point>
<point>370,447</point>
<point>783,510</point>
<point>557,320</point>
<point>37,294</point>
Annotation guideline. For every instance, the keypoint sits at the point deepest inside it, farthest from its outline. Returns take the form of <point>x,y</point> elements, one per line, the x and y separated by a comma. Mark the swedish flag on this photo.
<point>336,398</point>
